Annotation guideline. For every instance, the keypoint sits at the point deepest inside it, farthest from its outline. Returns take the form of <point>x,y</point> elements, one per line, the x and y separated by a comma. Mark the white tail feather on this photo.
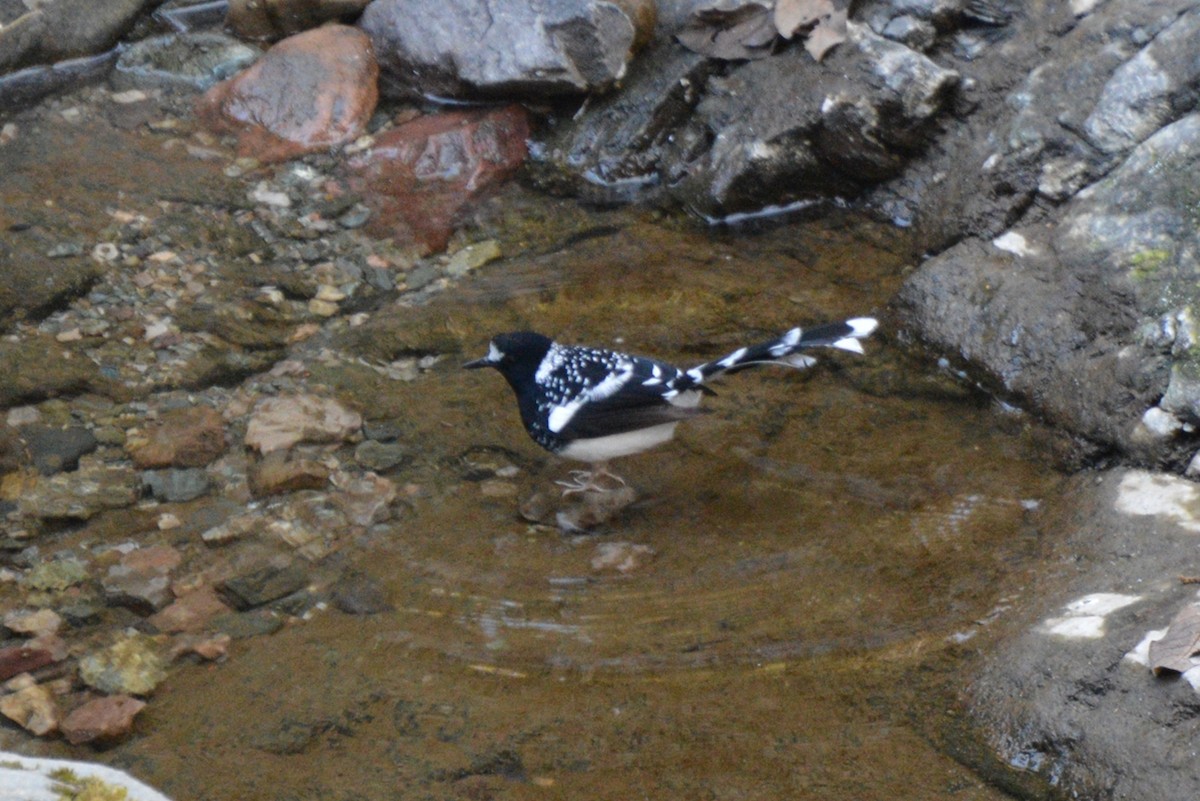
<point>863,326</point>
<point>848,343</point>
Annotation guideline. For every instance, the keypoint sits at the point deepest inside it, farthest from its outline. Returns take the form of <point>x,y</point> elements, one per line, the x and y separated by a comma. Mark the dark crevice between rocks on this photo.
<point>60,301</point>
<point>226,369</point>
<point>505,763</point>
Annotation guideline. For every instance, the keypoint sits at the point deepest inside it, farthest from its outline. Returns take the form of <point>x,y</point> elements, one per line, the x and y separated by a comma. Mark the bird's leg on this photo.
<point>580,481</point>
<point>600,471</point>
<point>593,480</point>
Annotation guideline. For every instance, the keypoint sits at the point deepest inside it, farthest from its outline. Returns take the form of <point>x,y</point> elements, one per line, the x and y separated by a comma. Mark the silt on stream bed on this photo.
<point>805,561</point>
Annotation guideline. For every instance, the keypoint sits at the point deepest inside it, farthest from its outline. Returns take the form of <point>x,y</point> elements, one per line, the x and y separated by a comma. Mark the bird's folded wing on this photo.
<point>633,407</point>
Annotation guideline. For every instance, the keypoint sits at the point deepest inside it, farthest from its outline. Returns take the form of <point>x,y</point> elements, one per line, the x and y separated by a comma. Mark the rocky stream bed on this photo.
<point>262,538</point>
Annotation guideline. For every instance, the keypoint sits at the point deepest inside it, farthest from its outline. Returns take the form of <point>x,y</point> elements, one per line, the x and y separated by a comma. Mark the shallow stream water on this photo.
<point>819,552</point>
<point>820,543</point>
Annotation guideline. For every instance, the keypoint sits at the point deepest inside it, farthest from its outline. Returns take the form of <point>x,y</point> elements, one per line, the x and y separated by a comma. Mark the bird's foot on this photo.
<point>598,479</point>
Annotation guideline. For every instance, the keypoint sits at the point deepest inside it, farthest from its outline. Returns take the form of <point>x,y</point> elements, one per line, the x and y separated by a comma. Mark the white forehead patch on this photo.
<point>494,353</point>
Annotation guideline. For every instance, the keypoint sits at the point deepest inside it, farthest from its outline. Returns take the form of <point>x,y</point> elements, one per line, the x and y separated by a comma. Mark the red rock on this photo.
<point>310,92</point>
<point>101,720</point>
<point>190,437</point>
<point>190,612</point>
<point>420,176</point>
<point>30,655</point>
<point>210,647</point>
<point>274,19</point>
<point>152,558</point>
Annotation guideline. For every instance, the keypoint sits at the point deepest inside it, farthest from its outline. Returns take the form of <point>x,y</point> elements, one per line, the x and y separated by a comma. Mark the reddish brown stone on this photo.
<point>13,453</point>
<point>273,19</point>
<point>190,437</point>
<point>101,720</point>
<point>190,612</point>
<point>420,176</point>
<point>276,474</point>
<point>152,558</point>
<point>141,579</point>
<point>209,647</point>
<point>30,655</point>
<point>310,92</point>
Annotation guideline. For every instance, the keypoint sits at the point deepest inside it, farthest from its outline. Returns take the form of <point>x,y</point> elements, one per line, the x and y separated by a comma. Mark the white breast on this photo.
<point>614,446</point>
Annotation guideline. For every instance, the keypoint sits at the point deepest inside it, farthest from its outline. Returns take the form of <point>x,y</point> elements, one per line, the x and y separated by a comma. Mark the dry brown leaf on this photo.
<point>792,15</point>
<point>1174,652</point>
<point>830,31</point>
<point>730,29</point>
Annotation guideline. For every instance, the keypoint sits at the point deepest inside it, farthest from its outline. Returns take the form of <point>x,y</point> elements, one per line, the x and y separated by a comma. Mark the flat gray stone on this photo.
<point>1065,694</point>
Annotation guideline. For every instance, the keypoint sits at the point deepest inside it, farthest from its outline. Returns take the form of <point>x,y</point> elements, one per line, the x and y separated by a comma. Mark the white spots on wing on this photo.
<point>550,362</point>
<point>568,387</point>
<point>696,374</point>
<point>561,415</point>
<point>612,384</point>
<point>655,377</point>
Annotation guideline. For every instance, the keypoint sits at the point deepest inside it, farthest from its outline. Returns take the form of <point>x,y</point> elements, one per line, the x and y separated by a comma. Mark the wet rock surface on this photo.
<point>422,176</point>
<point>1068,703</point>
<point>280,18</point>
<point>231,408</point>
<point>1090,320</point>
<point>63,29</point>
<point>308,93</point>
<point>102,719</point>
<point>182,437</point>
<point>188,61</point>
<point>470,48</point>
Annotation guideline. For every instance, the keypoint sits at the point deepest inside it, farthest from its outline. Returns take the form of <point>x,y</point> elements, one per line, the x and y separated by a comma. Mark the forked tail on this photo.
<point>786,349</point>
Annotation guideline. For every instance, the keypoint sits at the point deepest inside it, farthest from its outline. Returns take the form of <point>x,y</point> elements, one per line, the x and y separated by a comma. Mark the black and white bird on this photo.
<point>594,404</point>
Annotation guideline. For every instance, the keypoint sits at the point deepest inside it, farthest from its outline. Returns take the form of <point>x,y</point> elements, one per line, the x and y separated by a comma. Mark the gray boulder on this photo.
<point>789,129</point>
<point>1019,142</point>
<point>1149,90</point>
<point>767,132</point>
<point>56,30</point>
<point>481,49</point>
<point>1090,321</point>
<point>633,144</point>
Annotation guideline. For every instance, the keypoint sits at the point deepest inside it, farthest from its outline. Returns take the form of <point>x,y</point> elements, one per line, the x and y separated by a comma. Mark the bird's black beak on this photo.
<point>484,362</point>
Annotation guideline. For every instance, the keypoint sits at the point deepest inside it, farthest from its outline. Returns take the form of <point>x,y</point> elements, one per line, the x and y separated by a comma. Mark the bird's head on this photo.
<point>514,353</point>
